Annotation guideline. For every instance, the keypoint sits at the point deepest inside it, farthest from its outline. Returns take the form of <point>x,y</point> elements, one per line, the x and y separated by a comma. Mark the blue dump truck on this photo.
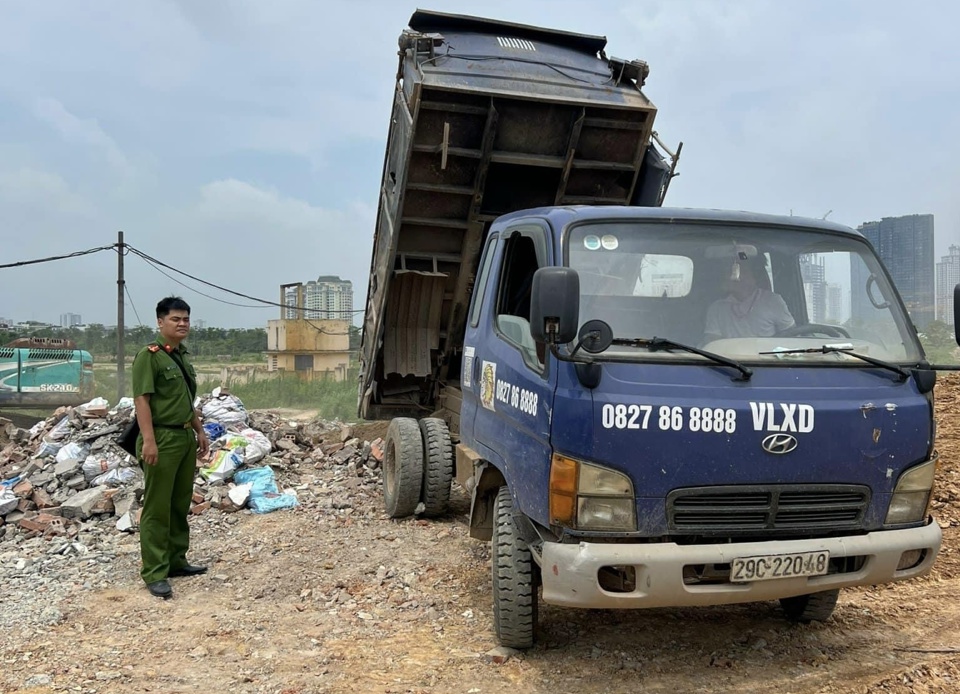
<point>45,375</point>
<point>647,407</point>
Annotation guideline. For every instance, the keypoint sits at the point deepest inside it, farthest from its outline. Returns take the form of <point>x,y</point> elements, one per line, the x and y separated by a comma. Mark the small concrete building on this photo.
<point>312,349</point>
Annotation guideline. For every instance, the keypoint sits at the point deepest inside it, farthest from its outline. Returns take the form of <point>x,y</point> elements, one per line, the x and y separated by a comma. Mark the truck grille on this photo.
<point>776,508</point>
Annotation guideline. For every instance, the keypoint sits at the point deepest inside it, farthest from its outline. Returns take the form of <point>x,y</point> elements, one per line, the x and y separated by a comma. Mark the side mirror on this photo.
<point>956,313</point>
<point>555,305</point>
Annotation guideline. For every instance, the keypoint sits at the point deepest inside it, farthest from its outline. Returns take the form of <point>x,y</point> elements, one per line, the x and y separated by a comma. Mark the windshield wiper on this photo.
<point>843,349</point>
<point>656,344</point>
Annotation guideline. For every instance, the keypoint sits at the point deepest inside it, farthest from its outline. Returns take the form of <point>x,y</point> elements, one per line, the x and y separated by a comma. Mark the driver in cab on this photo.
<point>750,308</point>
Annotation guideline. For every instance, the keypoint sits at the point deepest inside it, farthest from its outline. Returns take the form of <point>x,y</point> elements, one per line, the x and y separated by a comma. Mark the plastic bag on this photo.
<point>73,452</point>
<point>116,477</point>
<point>222,467</point>
<point>8,500</point>
<point>264,495</point>
<point>48,448</point>
<point>214,430</point>
<point>99,463</point>
<point>258,445</point>
<point>95,404</point>
<point>125,404</point>
<point>225,409</point>
<point>61,431</point>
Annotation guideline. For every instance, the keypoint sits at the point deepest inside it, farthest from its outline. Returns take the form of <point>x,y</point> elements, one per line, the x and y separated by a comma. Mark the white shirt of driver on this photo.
<point>762,314</point>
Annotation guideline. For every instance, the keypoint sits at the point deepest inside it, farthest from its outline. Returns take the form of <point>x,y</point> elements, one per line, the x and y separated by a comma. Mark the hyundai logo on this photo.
<point>779,444</point>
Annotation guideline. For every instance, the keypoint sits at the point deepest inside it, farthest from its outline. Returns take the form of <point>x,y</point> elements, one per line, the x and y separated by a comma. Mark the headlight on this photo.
<point>590,497</point>
<point>912,494</point>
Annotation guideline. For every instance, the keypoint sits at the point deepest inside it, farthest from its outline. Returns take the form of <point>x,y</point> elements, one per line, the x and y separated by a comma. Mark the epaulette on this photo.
<point>153,348</point>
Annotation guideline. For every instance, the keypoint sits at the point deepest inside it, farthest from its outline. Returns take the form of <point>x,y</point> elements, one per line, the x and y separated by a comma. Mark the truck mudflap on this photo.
<point>660,575</point>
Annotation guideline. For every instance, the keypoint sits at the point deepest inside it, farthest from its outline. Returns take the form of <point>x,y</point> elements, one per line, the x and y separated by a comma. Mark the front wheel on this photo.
<point>515,578</point>
<point>813,607</point>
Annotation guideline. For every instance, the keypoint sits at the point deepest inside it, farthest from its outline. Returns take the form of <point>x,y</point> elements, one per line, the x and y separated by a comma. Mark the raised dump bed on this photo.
<point>488,118</point>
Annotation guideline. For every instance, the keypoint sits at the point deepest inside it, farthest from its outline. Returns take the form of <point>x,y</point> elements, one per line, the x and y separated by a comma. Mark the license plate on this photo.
<point>771,566</point>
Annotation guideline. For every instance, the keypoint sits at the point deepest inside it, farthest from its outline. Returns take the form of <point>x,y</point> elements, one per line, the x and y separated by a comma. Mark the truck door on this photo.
<point>512,396</point>
<point>470,370</point>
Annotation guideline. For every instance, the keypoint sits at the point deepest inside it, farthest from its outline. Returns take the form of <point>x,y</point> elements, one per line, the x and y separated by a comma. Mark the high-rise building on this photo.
<point>329,298</point>
<point>948,276</point>
<point>834,304</point>
<point>814,275</point>
<point>905,245</point>
<point>70,320</point>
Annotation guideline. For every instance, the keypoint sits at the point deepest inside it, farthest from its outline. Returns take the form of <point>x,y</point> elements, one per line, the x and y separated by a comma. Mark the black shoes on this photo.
<point>188,570</point>
<point>161,589</point>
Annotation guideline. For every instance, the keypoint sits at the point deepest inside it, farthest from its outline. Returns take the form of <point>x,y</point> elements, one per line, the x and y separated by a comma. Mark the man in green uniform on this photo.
<point>171,435</point>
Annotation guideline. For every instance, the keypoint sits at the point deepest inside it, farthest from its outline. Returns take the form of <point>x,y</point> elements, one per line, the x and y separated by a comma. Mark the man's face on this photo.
<point>174,326</point>
<point>744,286</point>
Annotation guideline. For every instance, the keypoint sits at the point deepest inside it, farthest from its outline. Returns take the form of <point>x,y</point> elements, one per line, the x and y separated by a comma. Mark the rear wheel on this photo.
<point>813,607</point>
<point>437,466</point>
<point>515,578</point>
<point>402,467</point>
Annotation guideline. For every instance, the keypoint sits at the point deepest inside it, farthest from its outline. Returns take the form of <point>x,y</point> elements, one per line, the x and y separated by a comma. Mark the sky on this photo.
<point>242,141</point>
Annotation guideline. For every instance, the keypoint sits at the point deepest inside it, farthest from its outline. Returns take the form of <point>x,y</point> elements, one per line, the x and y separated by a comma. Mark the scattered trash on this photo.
<point>67,471</point>
<point>214,430</point>
<point>223,408</point>
<point>264,495</point>
<point>240,493</point>
<point>8,500</point>
<point>223,464</point>
<point>73,452</point>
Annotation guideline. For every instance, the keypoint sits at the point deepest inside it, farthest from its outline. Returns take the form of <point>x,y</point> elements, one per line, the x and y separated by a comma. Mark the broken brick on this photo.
<point>200,508</point>
<point>23,489</point>
<point>40,523</point>
<point>42,499</point>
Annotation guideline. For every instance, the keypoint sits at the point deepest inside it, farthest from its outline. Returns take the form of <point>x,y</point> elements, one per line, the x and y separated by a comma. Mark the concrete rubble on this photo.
<point>67,473</point>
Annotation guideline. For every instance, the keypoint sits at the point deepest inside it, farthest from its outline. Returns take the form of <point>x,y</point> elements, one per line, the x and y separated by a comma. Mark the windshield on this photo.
<point>739,291</point>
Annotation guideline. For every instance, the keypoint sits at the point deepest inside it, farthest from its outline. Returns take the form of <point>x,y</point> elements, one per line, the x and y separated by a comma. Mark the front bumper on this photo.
<point>570,571</point>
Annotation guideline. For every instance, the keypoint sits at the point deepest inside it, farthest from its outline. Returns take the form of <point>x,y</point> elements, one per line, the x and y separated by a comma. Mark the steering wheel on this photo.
<point>813,329</point>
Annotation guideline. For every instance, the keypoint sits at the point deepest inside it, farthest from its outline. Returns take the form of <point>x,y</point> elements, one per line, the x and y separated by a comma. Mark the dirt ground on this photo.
<point>335,597</point>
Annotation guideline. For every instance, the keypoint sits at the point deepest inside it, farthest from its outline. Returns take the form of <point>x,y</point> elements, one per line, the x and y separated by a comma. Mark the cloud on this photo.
<point>252,239</point>
<point>84,132</point>
<point>28,195</point>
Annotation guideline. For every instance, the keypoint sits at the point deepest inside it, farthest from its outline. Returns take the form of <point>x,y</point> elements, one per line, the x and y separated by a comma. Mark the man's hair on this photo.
<point>171,303</point>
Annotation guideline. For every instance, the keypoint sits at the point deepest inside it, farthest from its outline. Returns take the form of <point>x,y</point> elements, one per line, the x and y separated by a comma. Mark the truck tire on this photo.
<point>437,467</point>
<point>515,579</point>
<point>402,467</point>
<point>813,607</point>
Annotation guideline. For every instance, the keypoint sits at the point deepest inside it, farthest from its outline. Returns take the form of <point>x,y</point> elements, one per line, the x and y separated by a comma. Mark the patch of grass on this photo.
<point>333,400</point>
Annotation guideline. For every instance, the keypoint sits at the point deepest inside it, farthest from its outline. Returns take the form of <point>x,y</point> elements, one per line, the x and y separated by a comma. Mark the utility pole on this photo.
<point>120,330</point>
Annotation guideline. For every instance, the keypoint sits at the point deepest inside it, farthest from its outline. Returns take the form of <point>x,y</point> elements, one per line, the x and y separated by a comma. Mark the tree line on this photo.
<point>101,340</point>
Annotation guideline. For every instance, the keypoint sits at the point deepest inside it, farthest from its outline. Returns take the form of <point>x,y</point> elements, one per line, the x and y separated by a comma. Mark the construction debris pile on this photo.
<point>69,470</point>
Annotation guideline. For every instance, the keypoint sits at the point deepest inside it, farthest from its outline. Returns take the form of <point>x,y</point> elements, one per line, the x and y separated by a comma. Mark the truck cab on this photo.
<point>650,460</point>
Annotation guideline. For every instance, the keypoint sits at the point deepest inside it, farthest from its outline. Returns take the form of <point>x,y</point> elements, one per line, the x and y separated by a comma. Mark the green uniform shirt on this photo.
<point>155,373</point>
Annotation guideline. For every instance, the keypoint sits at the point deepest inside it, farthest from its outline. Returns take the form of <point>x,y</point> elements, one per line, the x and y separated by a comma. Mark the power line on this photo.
<point>265,302</point>
<point>50,259</point>
<point>193,289</point>
<point>133,305</point>
<point>154,262</point>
